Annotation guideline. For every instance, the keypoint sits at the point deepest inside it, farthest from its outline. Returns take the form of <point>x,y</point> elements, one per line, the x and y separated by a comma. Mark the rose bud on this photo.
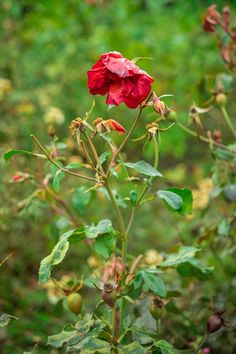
<point>156,307</point>
<point>109,294</point>
<point>214,323</point>
<point>211,19</point>
<point>217,136</point>
<point>20,177</point>
<point>221,99</point>
<point>159,106</point>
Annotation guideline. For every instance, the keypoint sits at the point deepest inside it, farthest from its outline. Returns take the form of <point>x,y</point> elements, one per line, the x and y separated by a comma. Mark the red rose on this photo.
<point>121,79</point>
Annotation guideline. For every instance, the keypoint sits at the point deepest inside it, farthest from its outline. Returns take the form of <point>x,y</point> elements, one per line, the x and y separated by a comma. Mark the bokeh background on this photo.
<point>46,48</point>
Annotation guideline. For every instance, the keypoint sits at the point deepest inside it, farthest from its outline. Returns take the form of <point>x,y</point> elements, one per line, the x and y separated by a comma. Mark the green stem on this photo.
<point>118,151</point>
<point>124,248</point>
<point>117,210</point>
<point>156,151</point>
<point>204,139</point>
<point>94,152</point>
<point>228,120</point>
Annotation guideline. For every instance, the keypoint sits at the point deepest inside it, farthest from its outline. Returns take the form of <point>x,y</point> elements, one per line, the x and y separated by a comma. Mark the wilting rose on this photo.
<point>121,79</point>
<point>105,126</point>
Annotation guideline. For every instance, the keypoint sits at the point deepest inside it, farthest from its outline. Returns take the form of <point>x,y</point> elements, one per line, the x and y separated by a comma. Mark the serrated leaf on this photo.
<point>103,227</point>
<point>12,153</point>
<point>144,168</point>
<point>5,319</point>
<point>154,284</point>
<point>92,345</point>
<point>105,244</point>
<point>58,253</point>
<point>194,268</point>
<point>178,200</point>
<point>57,340</point>
<point>163,347</point>
<point>184,254</point>
<point>131,348</point>
<point>81,199</point>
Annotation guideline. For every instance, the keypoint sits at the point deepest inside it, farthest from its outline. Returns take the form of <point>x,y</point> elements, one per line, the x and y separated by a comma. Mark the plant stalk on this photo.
<point>228,120</point>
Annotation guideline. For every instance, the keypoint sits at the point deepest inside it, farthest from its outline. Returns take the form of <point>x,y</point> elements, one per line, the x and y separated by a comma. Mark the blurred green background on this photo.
<point>46,49</point>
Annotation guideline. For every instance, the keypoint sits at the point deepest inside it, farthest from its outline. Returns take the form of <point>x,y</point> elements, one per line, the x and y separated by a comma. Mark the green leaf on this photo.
<point>163,347</point>
<point>34,351</point>
<point>81,199</point>
<point>57,340</point>
<point>113,172</point>
<point>131,348</point>
<point>103,227</point>
<point>58,253</point>
<point>223,154</point>
<point>224,227</point>
<point>194,268</point>
<point>133,197</point>
<point>74,165</point>
<point>93,346</point>
<point>57,179</point>
<point>104,245</point>
<point>144,168</point>
<point>5,319</point>
<point>178,200</point>
<point>104,156</point>
<point>154,284</point>
<point>12,153</point>
<point>184,254</point>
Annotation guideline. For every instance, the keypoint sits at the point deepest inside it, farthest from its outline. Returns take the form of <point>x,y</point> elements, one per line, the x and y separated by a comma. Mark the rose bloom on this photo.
<point>121,79</point>
<point>211,19</point>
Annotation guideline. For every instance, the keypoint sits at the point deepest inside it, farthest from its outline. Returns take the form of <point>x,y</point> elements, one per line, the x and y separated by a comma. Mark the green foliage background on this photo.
<point>46,48</point>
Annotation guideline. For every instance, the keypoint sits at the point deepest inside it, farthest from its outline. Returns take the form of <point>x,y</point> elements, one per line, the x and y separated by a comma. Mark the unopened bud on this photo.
<point>172,115</point>
<point>156,307</point>
<point>159,106</point>
<point>221,99</point>
<point>214,323</point>
<point>109,295</point>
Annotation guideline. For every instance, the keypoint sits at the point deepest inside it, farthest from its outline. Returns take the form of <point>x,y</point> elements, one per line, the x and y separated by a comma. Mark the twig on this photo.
<point>57,165</point>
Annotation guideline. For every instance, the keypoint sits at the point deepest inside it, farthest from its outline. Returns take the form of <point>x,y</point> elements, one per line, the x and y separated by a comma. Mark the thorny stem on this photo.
<point>156,151</point>
<point>124,251</point>
<point>204,139</point>
<point>57,165</point>
<point>85,152</point>
<point>228,120</point>
<point>94,152</point>
<point>125,140</point>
